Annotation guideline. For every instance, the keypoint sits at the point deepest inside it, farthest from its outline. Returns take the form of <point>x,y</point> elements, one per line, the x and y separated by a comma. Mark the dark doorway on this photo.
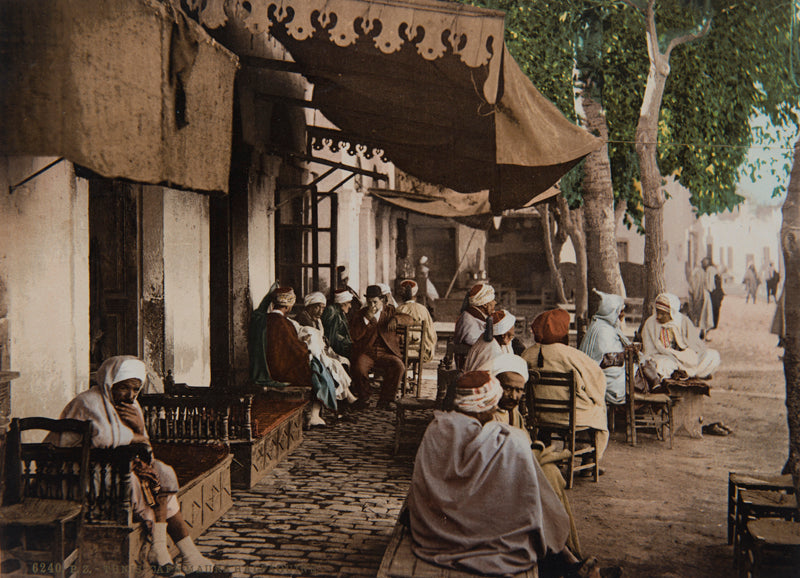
<point>114,267</point>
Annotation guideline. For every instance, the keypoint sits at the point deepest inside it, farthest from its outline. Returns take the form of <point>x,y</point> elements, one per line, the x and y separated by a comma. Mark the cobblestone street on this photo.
<point>327,510</point>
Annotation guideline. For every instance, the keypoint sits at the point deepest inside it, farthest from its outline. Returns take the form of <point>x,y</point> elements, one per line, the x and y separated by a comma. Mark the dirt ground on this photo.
<point>661,512</point>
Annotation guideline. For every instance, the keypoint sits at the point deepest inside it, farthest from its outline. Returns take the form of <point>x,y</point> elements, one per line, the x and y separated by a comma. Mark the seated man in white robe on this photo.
<point>672,341</point>
<point>497,338</point>
<point>117,420</point>
<point>479,500</point>
<point>512,373</point>
<point>472,321</point>
<point>312,333</point>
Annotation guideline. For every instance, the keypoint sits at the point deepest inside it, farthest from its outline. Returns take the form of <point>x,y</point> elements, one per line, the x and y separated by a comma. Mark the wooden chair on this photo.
<point>45,496</point>
<point>752,505</point>
<point>410,338</point>
<point>445,388</point>
<point>771,548</point>
<point>751,481</point>
<point>550,396</point>
<point>456,354</point>
<point>645,410</point>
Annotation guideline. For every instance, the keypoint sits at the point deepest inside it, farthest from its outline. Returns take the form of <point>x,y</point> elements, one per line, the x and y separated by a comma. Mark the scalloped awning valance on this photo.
<point>127,88</point>
<point>429,81</point>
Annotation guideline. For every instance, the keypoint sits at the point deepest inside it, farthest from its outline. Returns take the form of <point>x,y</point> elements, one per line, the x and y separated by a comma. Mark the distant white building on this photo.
<point>750,233</point>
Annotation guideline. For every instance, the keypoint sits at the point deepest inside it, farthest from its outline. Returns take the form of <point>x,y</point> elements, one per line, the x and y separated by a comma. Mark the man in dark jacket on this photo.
<point>375,345</point>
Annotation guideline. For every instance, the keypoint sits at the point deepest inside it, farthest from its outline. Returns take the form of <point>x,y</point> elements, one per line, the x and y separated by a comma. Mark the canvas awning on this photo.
<point>429,82</point>
<point>438,201</point>
<point>127,88</point>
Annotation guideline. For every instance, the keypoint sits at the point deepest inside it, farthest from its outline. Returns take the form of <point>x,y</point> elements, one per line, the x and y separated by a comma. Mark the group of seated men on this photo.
<point>470,457</point>
<point>671,348</point>
<point>333,348</point>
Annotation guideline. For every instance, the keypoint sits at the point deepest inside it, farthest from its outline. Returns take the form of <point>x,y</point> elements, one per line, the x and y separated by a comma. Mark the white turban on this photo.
<point>314,298</point>
<point>385,290</point>
<point>508,362</point>
<point>502,322</point>
<point>342,296</point>
<point>481,294</point>
<point>129,368</point>
<point>477,392</point>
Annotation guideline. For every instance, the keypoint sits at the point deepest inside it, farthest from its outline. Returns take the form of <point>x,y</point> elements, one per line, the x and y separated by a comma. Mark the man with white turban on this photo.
<point>479,501</point>
<point>288,359</point>
<point>497,338</point>
<point>336,324</point>
<point>672,342</point>
<point>420,314</point>
<point>311,333</point>
<point>117,420</point>
<point>512,373</point>
<point>472,322</point>
<point>313,306</point>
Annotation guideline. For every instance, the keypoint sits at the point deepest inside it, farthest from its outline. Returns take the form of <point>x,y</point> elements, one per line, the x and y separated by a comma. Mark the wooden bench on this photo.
<point>399,560</point>
<point>259,430</point>
<point>111,542</point>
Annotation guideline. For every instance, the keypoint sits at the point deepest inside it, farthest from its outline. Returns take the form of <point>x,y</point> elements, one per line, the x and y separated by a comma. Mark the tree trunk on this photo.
<point>600,228</point>
<point>652,191</point>
<point>555,272</point>
<point>790,243</point>
<point>572,221</point>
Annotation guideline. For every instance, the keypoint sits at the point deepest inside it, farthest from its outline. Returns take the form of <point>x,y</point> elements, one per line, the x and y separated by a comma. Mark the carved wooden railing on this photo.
<point>197,417</point>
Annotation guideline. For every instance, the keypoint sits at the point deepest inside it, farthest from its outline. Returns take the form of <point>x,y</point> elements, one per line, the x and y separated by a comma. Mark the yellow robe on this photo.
<point>590,385</point>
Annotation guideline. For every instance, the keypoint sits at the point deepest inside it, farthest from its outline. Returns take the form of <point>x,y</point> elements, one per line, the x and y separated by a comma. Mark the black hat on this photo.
<point>373,291</point>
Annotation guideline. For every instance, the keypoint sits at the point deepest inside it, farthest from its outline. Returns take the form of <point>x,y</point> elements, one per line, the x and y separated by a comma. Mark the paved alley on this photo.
<point>327,510</point>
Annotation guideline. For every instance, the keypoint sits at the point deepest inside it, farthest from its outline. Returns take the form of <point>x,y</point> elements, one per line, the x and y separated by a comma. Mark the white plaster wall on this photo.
<point>44,263</point>
<point>348,241</point>
<point>261,229</point>
<point>367,238</point>
<point>186,285</point>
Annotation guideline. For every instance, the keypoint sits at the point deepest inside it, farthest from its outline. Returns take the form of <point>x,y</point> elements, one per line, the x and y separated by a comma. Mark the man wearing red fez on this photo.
<point>493,343</point>
<point>551,353</point>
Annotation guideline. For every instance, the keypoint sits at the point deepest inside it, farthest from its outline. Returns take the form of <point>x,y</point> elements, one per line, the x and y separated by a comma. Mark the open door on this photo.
<point>114,269</point>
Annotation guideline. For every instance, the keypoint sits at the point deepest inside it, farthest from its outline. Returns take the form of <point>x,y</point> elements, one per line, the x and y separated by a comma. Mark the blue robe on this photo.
<point>605,336</point>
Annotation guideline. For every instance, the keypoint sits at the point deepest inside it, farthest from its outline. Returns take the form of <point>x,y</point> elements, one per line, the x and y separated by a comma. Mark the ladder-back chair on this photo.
<point>410,338</point>
<point>445,388</point>
<point>550,398</point>
<point>45,495</point>
<point>644,410</point>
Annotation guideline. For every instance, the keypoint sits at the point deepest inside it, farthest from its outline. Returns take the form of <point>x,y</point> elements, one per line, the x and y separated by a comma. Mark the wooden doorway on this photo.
<point>114,269</point>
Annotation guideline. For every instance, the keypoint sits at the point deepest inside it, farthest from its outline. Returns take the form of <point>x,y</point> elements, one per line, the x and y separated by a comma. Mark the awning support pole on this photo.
<point>12,188</point>
<point>458,269</point>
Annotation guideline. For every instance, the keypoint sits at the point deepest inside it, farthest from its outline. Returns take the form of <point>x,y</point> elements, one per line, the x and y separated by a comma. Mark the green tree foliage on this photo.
<point>743,67</point>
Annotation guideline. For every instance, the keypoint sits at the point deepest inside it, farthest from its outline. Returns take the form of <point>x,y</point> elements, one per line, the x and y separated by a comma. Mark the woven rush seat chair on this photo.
<point>550,399</point>
<point>754,505</point>
<point>645,410</point>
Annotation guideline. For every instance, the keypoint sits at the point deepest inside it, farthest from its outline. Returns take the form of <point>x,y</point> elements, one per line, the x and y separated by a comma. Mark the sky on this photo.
<point>760,191</point>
